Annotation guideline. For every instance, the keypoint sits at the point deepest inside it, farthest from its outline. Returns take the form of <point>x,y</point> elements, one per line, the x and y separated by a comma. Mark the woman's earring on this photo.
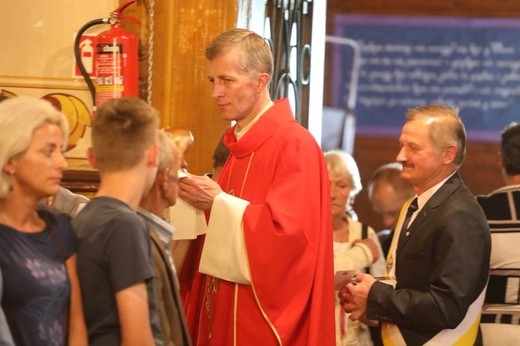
<point>11,187</point>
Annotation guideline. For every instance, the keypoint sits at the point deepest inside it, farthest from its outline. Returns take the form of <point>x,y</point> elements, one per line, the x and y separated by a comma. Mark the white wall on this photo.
<point>37,59</point>
<point>37,36</point>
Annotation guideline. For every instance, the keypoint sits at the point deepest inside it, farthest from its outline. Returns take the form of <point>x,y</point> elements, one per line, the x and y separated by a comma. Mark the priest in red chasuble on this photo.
<point>264,272</point>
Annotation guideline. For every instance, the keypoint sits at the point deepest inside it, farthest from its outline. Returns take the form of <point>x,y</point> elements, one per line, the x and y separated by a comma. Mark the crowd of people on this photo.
<point>283,259</point>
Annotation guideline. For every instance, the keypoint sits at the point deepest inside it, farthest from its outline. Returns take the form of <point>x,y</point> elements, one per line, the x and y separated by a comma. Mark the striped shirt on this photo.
<point>502,209</point>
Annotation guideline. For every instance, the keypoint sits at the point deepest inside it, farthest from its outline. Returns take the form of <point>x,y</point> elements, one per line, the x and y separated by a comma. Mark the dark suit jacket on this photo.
<point>168,300</point>
<point>441,268</point>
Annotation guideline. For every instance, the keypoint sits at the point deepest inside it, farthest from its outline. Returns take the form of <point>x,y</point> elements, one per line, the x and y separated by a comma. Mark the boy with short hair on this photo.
<point>114,263</point>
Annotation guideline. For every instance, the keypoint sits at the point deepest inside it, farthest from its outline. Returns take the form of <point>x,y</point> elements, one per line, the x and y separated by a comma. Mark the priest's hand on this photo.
<point>198,191</point>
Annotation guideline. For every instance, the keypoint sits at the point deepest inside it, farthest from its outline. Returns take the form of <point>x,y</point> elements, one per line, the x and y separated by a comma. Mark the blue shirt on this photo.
<point>35,282</point>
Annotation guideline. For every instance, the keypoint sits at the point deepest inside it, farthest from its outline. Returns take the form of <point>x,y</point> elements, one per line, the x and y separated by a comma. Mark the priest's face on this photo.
<point>235,91</point>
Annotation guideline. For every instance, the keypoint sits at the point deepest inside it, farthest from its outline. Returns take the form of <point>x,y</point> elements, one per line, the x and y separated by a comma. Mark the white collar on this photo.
<point>243,131</point>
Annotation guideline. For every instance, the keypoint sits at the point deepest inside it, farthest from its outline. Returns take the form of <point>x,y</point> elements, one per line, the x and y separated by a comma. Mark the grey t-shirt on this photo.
<point>113,254</point>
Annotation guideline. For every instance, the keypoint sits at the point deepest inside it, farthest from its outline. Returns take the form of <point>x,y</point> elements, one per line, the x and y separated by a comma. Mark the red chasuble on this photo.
<point>278,167</point>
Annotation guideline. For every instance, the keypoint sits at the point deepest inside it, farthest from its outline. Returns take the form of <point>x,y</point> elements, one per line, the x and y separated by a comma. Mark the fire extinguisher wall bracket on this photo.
<point>117,12</point>
<point>77,55</point>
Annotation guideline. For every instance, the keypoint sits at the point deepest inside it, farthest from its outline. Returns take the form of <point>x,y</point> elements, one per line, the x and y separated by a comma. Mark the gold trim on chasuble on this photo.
<point>213,282</point>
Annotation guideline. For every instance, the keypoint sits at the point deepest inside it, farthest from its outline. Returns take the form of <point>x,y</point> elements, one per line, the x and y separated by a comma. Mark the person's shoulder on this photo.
<point>49,212</point>
<point>69,202</point>
<point>453,191</point>
<point>495,205</point>
<point>108,205</point>
<point>295,133</point>
<point>500,192</point>
<point>68,195</point>
<point>61,222</point>
<point>102,210</point>
<point>122,216</point>
<point>463,200</point>
<point>491,198</point>
<point>361,227</point>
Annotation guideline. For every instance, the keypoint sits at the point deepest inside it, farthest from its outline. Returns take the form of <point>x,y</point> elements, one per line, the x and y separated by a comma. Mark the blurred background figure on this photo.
<point>41,295</point>
<point>387,192</point>
<point>356,246</point>
<point>219,158</point>
<point>66,201</point>
<point>184,140</point>
<point>501,313</point>
<point>182,215</point>
<point>344,167</point>
<point>162,195</point>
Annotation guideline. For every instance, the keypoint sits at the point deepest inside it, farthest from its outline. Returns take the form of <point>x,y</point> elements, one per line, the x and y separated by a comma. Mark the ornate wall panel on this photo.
<point>179,86</point>
<point>288,29</point>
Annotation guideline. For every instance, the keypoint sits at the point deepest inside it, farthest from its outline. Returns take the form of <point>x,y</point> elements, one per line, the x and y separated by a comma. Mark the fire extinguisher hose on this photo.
<point>77,55</point>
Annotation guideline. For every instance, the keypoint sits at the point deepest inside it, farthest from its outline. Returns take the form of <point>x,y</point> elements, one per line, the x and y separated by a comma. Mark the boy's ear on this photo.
<point>91,158</point>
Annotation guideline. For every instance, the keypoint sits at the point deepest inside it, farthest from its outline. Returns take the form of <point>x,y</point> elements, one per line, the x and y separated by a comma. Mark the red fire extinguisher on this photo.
<point>115,59</point>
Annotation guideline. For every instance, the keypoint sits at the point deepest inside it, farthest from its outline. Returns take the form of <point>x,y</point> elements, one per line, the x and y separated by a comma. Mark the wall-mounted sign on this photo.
<point>473,64</point>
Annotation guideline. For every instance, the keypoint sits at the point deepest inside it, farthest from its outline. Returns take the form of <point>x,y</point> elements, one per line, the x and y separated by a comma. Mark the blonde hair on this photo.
<point>255,54</point>
<point>122,131</point>
<point>19,118</point>
<point>342,164</point>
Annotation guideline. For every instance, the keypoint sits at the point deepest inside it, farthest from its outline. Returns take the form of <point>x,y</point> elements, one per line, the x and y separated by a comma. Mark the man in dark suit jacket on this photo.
<point>440,263</point>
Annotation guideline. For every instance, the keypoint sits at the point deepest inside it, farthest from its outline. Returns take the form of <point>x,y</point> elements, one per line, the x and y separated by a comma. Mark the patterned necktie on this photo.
<point>411,209</point>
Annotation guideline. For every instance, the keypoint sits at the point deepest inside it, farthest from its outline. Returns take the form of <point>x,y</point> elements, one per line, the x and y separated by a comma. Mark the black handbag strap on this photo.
<point>364,235</point>
<point>51,226</point>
